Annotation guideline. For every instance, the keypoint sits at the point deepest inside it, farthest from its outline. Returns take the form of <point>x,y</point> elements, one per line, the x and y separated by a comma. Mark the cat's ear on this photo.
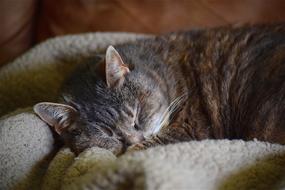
<point>58,116</point>
<point>115,68</point>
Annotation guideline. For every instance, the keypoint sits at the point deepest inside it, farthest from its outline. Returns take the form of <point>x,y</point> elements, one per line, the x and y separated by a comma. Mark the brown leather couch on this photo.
<point>23,23</point>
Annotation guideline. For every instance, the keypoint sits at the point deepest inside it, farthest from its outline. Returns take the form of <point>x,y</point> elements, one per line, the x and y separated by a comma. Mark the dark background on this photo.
<point>24,23</point>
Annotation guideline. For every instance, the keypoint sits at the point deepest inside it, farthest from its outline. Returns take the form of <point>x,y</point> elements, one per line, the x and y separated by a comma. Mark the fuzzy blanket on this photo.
<point>28,159</point>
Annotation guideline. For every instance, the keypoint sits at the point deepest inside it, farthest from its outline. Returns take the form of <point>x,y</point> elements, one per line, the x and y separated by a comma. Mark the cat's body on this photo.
<point>225,83</point>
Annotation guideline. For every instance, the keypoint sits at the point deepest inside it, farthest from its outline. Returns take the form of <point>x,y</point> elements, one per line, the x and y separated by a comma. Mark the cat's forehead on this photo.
<point>109,105</point>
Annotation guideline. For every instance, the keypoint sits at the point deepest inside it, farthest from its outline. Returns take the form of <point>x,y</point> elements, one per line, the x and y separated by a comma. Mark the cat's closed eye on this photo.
<point>75,132</point>
<point>107,131</point>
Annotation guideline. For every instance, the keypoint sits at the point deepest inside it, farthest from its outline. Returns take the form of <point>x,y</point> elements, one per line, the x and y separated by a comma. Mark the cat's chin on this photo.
<point>117,152</point>
<point>132,148</point>
<point>135,147</point>
<point>116,148</point>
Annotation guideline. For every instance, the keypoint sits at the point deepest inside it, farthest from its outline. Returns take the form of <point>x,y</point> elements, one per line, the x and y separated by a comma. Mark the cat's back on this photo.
<point>240,73</point>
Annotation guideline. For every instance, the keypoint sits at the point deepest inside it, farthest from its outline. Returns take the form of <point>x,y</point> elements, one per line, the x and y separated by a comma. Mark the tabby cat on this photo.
<point>226,82</point>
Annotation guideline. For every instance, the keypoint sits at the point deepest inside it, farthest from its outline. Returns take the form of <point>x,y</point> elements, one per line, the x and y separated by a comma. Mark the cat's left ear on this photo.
<point>58,116</point>
<point>115,68</point>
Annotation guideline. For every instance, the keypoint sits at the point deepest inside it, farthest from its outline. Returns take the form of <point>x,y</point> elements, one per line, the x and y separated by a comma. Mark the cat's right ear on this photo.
<point>115,68</point>
<point>58,116</point>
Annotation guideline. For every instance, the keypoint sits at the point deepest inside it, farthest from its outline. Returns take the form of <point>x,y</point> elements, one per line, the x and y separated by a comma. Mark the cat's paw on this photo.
<point>136,147</point>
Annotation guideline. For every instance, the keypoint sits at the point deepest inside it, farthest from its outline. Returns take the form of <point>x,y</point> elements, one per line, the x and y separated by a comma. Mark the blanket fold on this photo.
<point>208,164</point>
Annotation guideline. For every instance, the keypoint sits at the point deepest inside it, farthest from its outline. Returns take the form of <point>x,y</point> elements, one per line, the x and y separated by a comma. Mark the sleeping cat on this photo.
<point>216,83</point>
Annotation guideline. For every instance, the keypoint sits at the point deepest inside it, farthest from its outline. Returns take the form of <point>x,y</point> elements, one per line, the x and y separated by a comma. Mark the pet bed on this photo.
<point>29,159</point>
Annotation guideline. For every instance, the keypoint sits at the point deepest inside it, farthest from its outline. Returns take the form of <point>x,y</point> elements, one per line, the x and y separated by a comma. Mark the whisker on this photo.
<point>170,110</point>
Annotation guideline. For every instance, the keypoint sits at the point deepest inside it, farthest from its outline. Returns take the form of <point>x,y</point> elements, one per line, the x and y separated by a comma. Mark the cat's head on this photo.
<point>113,110</point>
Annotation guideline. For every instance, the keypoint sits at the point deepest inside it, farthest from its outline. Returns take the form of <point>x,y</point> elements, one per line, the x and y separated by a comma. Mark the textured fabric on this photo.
<point>204,165</point>
<point>26,144</point>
